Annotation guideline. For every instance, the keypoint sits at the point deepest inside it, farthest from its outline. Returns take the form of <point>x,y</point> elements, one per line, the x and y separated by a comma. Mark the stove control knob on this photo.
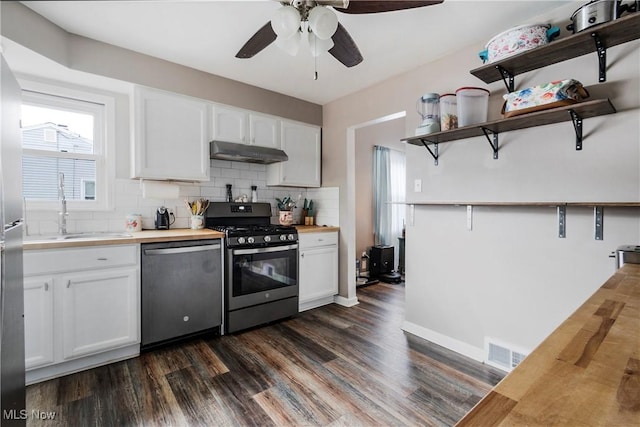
<point>250,240</point>
<point>283,237</point>
<point>241,240</point>
<point>267,238</point>
<point>290,237</point>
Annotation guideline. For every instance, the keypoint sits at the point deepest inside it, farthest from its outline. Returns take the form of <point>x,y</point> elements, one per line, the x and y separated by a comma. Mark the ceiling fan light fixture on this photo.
<point>318,46</point>
<point>291,45</point>
<point>323,22</point>
<point>286,21</point>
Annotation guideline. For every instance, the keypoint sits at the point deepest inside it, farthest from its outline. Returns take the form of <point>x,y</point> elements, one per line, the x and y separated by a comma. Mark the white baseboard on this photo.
<point>81,364</point>
<point>463,348</point>
<point>345,302</point>
<point>308,305</point>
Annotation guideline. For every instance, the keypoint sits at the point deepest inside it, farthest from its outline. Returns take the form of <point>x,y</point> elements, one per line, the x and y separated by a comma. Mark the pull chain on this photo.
<point>315,59</point>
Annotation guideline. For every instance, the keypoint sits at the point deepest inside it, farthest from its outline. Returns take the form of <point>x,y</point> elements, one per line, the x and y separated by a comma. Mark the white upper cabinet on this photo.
<point>245,127</point>
<point>264,130</point>
<point>170,137</point>
<point>302,144</point>
<point>229,124</point>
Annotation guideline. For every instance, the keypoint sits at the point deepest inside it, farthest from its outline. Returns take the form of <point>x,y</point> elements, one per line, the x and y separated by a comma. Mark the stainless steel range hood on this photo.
<point>246,153</point>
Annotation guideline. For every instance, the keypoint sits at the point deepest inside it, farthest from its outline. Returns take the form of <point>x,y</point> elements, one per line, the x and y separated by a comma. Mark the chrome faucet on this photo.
<point>62,215</point>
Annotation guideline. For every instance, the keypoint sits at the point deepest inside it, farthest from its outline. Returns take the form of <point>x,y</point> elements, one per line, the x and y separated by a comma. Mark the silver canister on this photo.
<point>627,254</point>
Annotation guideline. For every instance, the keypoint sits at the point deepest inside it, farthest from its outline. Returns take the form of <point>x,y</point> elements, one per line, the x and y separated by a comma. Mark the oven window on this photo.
<point>264,271</point>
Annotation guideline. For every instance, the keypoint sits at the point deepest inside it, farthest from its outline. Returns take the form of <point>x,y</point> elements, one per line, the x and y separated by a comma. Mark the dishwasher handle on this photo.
<point>181,250</point>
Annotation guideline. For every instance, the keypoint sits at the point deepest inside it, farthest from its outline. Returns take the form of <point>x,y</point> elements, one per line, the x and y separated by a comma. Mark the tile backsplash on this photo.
<point>128,199</point>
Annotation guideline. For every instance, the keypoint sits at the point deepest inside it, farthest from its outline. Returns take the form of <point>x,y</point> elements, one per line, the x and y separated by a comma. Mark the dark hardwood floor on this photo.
<point>328,366</point>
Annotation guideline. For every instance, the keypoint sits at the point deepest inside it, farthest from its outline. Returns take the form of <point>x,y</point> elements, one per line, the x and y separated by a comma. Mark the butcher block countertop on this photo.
<point>144,236</point>
<point>147,236</point>
<point>316,228</point>
<point>586,373</point>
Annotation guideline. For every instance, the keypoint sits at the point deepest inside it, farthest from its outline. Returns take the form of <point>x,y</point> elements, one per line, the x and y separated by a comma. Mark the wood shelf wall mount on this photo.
<point>576,113</point>
<point>596,39</point>
<point>561,209</point>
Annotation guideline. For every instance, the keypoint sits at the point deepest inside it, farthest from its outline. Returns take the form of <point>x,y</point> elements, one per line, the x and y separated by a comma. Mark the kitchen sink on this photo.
<point>76,236</point>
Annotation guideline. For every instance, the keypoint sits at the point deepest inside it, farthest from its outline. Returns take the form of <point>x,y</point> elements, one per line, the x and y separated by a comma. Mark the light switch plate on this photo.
<point>417,186</point>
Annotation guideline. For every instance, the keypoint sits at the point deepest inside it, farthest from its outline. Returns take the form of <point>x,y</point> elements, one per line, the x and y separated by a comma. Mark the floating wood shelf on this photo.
<point>586,109</point>
<point>596,39</point>
<point>576,113</point>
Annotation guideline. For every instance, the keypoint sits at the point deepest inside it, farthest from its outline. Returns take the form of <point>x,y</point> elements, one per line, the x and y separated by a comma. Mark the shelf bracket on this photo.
<point>507,78</point>
<point>598,222</point>
<point>562,221</point>
<point>434,152</point>
<point>494,144</point>
<point>577,126</point>
<point>602,58</point>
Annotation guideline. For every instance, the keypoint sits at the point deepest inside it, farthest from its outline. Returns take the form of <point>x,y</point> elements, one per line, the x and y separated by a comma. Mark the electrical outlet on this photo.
<point>417,186</point>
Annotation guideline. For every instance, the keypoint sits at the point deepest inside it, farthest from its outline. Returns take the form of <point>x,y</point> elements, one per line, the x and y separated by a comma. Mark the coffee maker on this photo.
<point>163,218</point>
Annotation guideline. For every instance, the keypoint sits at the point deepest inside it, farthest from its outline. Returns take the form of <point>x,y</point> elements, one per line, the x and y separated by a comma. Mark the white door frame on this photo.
<point>350,228</point>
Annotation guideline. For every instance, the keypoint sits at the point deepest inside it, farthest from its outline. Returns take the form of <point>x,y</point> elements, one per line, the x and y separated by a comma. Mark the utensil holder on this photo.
<point>197,222</point>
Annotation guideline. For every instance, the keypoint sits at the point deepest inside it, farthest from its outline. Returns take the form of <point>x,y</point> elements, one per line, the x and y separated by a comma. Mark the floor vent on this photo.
<point>502,356</point>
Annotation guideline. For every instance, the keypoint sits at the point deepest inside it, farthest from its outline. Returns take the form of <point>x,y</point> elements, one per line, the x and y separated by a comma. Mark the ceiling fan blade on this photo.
<point>344,48</point>
<point>375,6</point>
<point>261,39</point>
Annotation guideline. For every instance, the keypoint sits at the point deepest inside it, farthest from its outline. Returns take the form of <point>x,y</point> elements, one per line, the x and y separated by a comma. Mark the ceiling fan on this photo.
<point>298,18</point>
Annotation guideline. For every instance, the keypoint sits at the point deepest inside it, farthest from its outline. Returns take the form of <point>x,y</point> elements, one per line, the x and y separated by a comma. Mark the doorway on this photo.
<point>394,124</point>
<point>380,181</point>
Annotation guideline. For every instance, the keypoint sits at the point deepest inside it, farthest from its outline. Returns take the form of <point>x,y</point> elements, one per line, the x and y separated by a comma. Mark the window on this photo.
<point>88,189</point>
<point>66,138</point>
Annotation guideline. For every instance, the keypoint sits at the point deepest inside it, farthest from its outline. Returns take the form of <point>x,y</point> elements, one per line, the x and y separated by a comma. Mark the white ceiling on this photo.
<point>206,35</point>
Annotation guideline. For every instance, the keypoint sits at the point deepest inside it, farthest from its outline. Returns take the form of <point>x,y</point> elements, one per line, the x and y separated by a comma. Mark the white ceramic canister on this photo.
<point>197,222</point>
<point>133,223</point>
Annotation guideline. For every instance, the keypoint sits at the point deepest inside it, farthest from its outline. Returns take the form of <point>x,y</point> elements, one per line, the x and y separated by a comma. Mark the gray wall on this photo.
<point>510,277</point>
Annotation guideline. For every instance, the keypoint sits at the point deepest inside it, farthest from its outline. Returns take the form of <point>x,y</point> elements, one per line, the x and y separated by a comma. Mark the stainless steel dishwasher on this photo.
<point>181,290</point>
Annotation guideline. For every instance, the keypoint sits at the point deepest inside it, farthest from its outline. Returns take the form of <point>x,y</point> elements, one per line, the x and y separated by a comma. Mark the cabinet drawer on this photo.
<point>311,240</point>
<point>75,259</point>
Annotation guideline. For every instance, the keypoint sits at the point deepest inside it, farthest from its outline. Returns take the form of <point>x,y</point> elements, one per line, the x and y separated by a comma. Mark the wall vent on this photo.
<point>502,356</point>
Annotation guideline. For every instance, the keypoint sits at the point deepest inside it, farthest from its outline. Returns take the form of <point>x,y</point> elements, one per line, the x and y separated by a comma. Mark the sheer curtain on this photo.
<point>388,187</point>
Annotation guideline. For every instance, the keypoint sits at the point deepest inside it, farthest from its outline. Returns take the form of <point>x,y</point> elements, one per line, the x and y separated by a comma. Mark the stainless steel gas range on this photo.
<point>260,264</point>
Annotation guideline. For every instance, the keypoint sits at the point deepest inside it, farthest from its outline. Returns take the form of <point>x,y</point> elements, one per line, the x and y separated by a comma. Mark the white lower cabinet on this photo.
<point>82,308</point>
<point>318,269</point>
<point>38,321</point>
<point>99,311</point>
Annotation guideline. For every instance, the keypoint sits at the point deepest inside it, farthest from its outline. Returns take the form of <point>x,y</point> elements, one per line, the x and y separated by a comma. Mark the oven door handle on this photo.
<point>264,250</point>
<point>181,250</point>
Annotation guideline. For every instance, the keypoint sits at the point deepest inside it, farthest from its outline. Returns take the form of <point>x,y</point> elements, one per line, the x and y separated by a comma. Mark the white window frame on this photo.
<point>102,107</point>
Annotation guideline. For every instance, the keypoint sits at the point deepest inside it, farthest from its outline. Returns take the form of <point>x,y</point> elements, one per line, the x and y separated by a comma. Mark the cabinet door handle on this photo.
<point>302,255</point>
<point>102,259</point>
<point>68,283</point>
<point>46,286</point>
